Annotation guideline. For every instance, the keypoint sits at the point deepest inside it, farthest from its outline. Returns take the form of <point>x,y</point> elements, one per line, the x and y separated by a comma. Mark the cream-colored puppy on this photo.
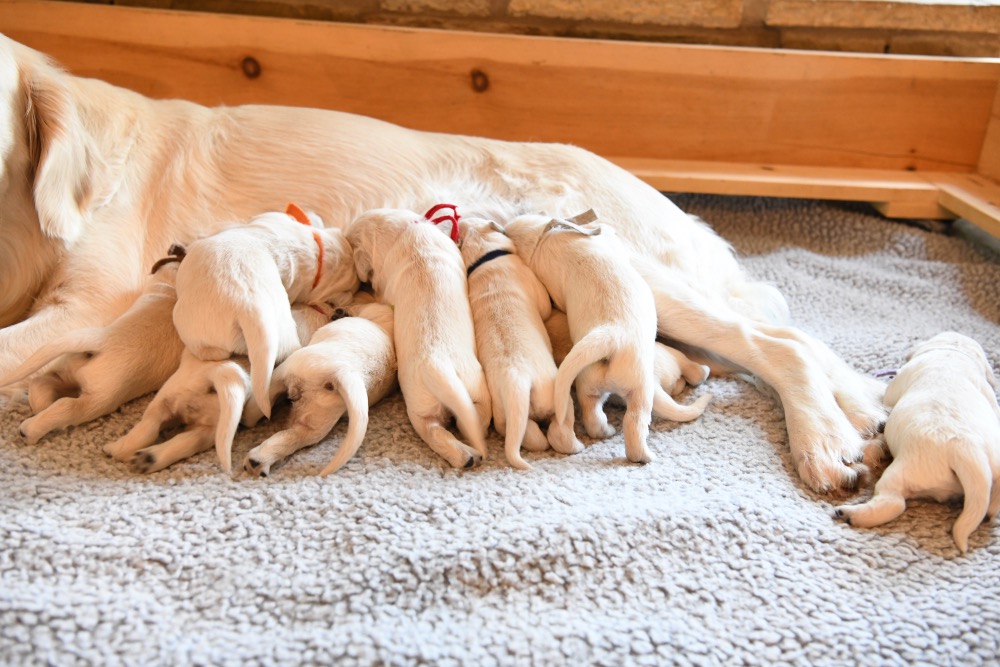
<point>943,432</point>
<point>416,269</point>
<point>674,369</point>
<point>347,366</point>
<point>509,306</point>
<point>612,322</point>
<point>234,289</point>
<point>96,370</point>
<point>208,398</point>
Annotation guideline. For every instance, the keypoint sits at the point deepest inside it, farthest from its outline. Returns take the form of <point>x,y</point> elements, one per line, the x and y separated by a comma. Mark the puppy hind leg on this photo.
<point>635,424</point>
<point>591,398</point>
<point>144,433</point>
<point>433,432</point>
<point>46,389</point>
<point>280,446</point>
<point>63,413</point>
<point>886,504</point>
<point>183,445</point>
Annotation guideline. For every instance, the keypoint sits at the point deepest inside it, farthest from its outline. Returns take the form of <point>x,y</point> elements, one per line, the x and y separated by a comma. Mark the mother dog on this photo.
<point>98,181</point>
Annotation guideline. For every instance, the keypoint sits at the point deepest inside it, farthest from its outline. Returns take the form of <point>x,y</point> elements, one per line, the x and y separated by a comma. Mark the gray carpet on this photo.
<point>713,554</point>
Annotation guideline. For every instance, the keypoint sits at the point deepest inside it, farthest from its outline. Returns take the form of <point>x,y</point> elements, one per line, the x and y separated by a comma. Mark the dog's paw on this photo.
<point>860,398</point>
<point>842,513</point>
<point>145,461</point>
<point>256,465</point>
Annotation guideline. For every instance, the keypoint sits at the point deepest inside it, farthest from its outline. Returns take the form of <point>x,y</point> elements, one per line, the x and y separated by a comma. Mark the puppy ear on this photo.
<point>363,265</point>
<point>60,164</point>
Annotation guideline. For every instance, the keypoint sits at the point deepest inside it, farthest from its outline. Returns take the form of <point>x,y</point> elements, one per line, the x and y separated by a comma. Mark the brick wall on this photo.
<point>928,27</point>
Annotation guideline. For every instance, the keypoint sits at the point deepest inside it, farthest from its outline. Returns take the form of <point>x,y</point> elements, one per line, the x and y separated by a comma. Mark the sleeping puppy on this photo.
<point>509,306</point>
<point>207,398</point>
<point>416,269</point>
<point>348,365</point>
<point>943,432</point>
<point>612,322</point>
<point>674,369</point>
<point>96,370</point>
<point>234,289</point>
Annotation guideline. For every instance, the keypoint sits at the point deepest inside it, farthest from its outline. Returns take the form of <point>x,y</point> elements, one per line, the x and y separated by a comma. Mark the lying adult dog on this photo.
<point>98,181</point>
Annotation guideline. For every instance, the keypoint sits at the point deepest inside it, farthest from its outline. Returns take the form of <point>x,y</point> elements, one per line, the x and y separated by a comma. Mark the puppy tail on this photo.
<point>79,341</point>
<point>231,386</point>
<point>517,405</point>
<point>973,471</point>
<point>665,407</point>
<point>270,337</point>
<point>355,395</point>
<point>449,390</point>
<point>598,344</point>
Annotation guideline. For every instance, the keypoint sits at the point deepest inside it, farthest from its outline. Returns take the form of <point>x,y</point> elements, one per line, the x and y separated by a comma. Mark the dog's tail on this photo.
<point>231,387</point>
<point>270,337</point>
<point>78,341</point>
<point>598,344</point>
<point>665,407</point>
<point>973,471</point>
<point>355,395</point>
<point>517,405</point>
<point>449,390</point>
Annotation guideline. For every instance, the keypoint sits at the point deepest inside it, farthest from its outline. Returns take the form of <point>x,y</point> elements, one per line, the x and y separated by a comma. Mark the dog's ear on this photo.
<point>363,265</point>
<point>57,146</point>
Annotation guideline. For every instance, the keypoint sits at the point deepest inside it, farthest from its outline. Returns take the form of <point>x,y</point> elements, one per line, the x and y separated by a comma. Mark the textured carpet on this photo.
<point>713,554</point>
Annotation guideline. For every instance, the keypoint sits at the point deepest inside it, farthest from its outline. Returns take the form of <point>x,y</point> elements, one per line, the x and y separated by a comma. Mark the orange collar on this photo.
<point>298,214</point>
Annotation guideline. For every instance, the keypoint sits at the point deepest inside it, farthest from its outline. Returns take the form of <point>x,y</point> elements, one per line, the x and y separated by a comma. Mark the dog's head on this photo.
<point>339,279</point>
<point>44,147</point>
<point>372,233</point>
<point>478,236</point>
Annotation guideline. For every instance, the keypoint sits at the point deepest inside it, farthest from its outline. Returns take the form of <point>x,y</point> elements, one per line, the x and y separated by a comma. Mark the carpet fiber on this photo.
<point>715,553</point>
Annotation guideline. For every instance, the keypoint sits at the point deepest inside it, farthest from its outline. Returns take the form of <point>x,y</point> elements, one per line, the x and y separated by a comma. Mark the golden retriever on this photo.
<point>98,181</point>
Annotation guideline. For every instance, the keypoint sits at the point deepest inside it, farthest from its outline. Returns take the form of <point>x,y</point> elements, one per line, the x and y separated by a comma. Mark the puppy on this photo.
<point>509,306</point>
<point>96,370</point>
<point>612,322</point>
<point>208,399</point>
<point>943,432</point>
<point>349,365</point>
<point>234,289</point>
<point>674,369</point>
<point>416,269</point>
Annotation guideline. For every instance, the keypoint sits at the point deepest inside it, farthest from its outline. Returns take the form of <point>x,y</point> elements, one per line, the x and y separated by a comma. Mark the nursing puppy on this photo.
<point>612,322</point>
<point>207,399</point>
<point>943,432</point>
<point>348,365</point>
<point>96,370</point>
<point>509,306</point>
<point>673,369</point>
<point>234,289</point>
<point>416,269</point>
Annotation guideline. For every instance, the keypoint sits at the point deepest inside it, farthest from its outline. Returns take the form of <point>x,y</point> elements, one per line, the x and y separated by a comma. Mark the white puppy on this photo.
<point>234,289</point>
<point>674,369</point>
<point>416,269</point>
<point>943,432</point>
<point>208,398</point>
<point>96,370</point>
<point>509,306</point>
<point>348,365</point>
<point>612,322</point>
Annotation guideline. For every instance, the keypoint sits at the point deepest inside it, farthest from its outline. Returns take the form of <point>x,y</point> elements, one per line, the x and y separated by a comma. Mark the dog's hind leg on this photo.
<point>46,389</point>
<point>183,445</point>
<point>157,415</point>
<point>635,424</point>
<point>433,432</point>
<point>64,412</point>
<point>591,396</point>
<point>886,504</point>
<point>283,444</point>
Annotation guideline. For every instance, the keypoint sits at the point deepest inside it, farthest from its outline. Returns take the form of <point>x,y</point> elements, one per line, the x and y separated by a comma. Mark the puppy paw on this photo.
<point>256,466</point>
<point>842,514</point>
<point>144,461</point>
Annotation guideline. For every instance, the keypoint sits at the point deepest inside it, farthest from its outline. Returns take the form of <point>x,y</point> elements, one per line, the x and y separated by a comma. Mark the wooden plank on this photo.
<point>897,194</point>
<point>973,197</point>
<point>660,101</point>
<point>989,157</point>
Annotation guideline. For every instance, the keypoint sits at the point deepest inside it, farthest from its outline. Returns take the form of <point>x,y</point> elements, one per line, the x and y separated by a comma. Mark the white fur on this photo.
<point>348,365</point>
<point>509,306</point>
<point>93,371</point>
<point>416,269</point>
<point>943,432</point>
<point>235,290</point>
<point>612,322</point>
<point>208,399</point>
<point>119,177</point>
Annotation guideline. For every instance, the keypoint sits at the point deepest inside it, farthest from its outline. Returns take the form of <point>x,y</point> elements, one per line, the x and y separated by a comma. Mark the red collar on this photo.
<point>452,217</point>
<point>298,214</point>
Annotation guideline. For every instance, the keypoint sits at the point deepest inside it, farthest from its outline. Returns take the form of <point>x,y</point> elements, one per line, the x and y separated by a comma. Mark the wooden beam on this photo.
<point>670,102</point>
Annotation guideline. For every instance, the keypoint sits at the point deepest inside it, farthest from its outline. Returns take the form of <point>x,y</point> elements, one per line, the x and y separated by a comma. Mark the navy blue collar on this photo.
<point>493,254</point>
